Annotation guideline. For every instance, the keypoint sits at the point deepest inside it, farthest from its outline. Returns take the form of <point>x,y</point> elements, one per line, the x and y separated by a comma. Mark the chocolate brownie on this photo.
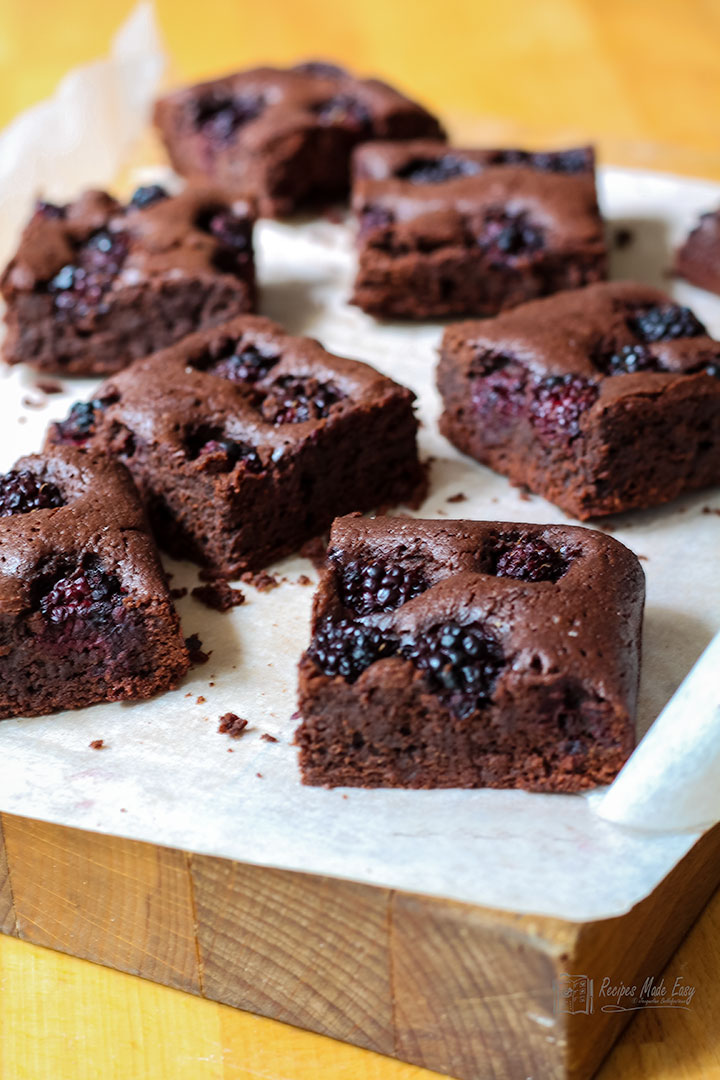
<point>85,613</point>
<point>95,284</point>
<point>444,231</point>
<point>471,654</point>
<point>698,259</point>
<point>284,135</point>
<point>245,442</point>
<point>601,399</point>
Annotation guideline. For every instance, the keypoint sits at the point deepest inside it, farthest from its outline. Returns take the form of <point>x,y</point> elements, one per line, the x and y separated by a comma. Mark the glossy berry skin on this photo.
<point>505,236</point>
<point>79,287</point>
<point>500,392</point>
<point>460,662</point>
<point>373,587</point>
<point>77,427</point>
<point>627,360</point>
<point>714,370</point>
<point>558,404</point>
<point>293,400</point>
<point>531,559</point>
<point>219,118</point>
<point>217,453</point>
<point>666,323</point>
<point>438,170</point>
<point>146,195</point>
<point>246,365</point>
<point>22,492</point>
<point>347,648</point>
<point>87,596</point>
<point>345,111</point>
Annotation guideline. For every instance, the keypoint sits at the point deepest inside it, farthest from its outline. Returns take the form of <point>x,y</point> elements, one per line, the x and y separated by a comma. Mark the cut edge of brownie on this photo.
<point>85,612</point>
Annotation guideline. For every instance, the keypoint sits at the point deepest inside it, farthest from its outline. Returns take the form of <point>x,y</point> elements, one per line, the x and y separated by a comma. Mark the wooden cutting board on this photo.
<point>459,988</point>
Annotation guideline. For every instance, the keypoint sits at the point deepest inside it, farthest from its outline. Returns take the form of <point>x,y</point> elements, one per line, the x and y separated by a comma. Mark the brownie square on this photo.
<point>470,654</point>
<point>95,284</point>
<point>85,612</point>
<point>444,231</point>
<point>245,442</point>
<point>602,399</point>
<point>698,259</point>
<point>285,135</point>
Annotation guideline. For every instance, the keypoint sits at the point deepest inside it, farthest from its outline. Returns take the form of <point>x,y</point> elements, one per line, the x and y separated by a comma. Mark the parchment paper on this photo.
<point>167,775</point>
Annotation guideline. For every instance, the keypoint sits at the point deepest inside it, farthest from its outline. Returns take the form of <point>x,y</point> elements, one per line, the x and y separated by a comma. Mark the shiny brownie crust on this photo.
<point>444,231</point>
<point>95,284</point>
<point>604,399</point>
<point>284,135</point>
<point>470,654</point>
<point>245,442</point>
<point>85,612</point>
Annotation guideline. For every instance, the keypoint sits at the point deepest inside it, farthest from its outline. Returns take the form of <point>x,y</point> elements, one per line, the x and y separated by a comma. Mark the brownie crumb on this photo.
<point>33,403</point>
<point>200,700</point>
<point>267,737</point>
<point>316,551</point>
<point>623,238</point>
<point>459,497</point>
<point>194,645</point>
<point>218,595</point>
<point>98,744</point>
<point>711,510</point>
<point>233,725</point>
<point>259,775</point>
<point>262,581</point>
<point>304,580</point>
<point>643,558</point>
<point>49,386</point>
<point>177,594</point>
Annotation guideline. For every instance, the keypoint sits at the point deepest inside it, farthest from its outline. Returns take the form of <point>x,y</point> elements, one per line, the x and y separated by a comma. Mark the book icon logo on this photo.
<point>573,994</point>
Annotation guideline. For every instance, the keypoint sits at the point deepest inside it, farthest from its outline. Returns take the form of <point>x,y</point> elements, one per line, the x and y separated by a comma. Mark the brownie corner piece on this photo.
<point>445,231</point>
<point>284,134</point>
<point>94,283</point>
<point>601,399</point>
<point>470,654</point>
<point>245,441</point>
<point>698,258</point>
<point>85,611</point>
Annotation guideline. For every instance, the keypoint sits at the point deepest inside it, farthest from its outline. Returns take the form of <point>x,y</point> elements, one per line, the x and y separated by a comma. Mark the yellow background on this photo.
<point>642,77</point>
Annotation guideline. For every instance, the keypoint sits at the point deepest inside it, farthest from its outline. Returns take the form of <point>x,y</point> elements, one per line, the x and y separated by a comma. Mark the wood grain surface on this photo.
<point>640,77</point>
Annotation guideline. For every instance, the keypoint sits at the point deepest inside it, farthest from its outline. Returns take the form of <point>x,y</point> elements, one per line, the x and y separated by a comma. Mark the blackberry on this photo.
<point>244,365</point>
<point>79,287</point>
<point>625,360</point>
<point>367,589</point>
<point>50,210</point>
<point>220,116</point>
<point>22,491</point>
<point>374,218</point>
<point>293,400</point>
<point>714,370</point>
<point>530,559</point>
<point>147,195</point>
<point>461,663</point>
<point>666,322</point>
<point>346,648</point>
<point>506,236</point>
<point>344,110</point>
<point>557,404</point>
<point>219,453</point>
<point>438,170</point>
<point>79,423</point>
<point>85,593</point>
<point>563,161</point>
<point>498,388</point>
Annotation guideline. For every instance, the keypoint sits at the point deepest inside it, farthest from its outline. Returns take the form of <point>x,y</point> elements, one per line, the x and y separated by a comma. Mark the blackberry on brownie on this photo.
<point>285,135</point>
<point>95,284</point>
<point>444,231</point>
<point>506,655</point>
<point>85,612</point>
<point>246,442</point>
<point>602,399</point>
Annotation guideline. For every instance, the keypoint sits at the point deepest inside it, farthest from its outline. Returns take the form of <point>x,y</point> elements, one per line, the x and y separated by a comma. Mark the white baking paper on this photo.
<point>167,775</point>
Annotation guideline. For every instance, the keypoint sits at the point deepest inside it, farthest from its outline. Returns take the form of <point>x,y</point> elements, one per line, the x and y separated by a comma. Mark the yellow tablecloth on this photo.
<point>642,78</point>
